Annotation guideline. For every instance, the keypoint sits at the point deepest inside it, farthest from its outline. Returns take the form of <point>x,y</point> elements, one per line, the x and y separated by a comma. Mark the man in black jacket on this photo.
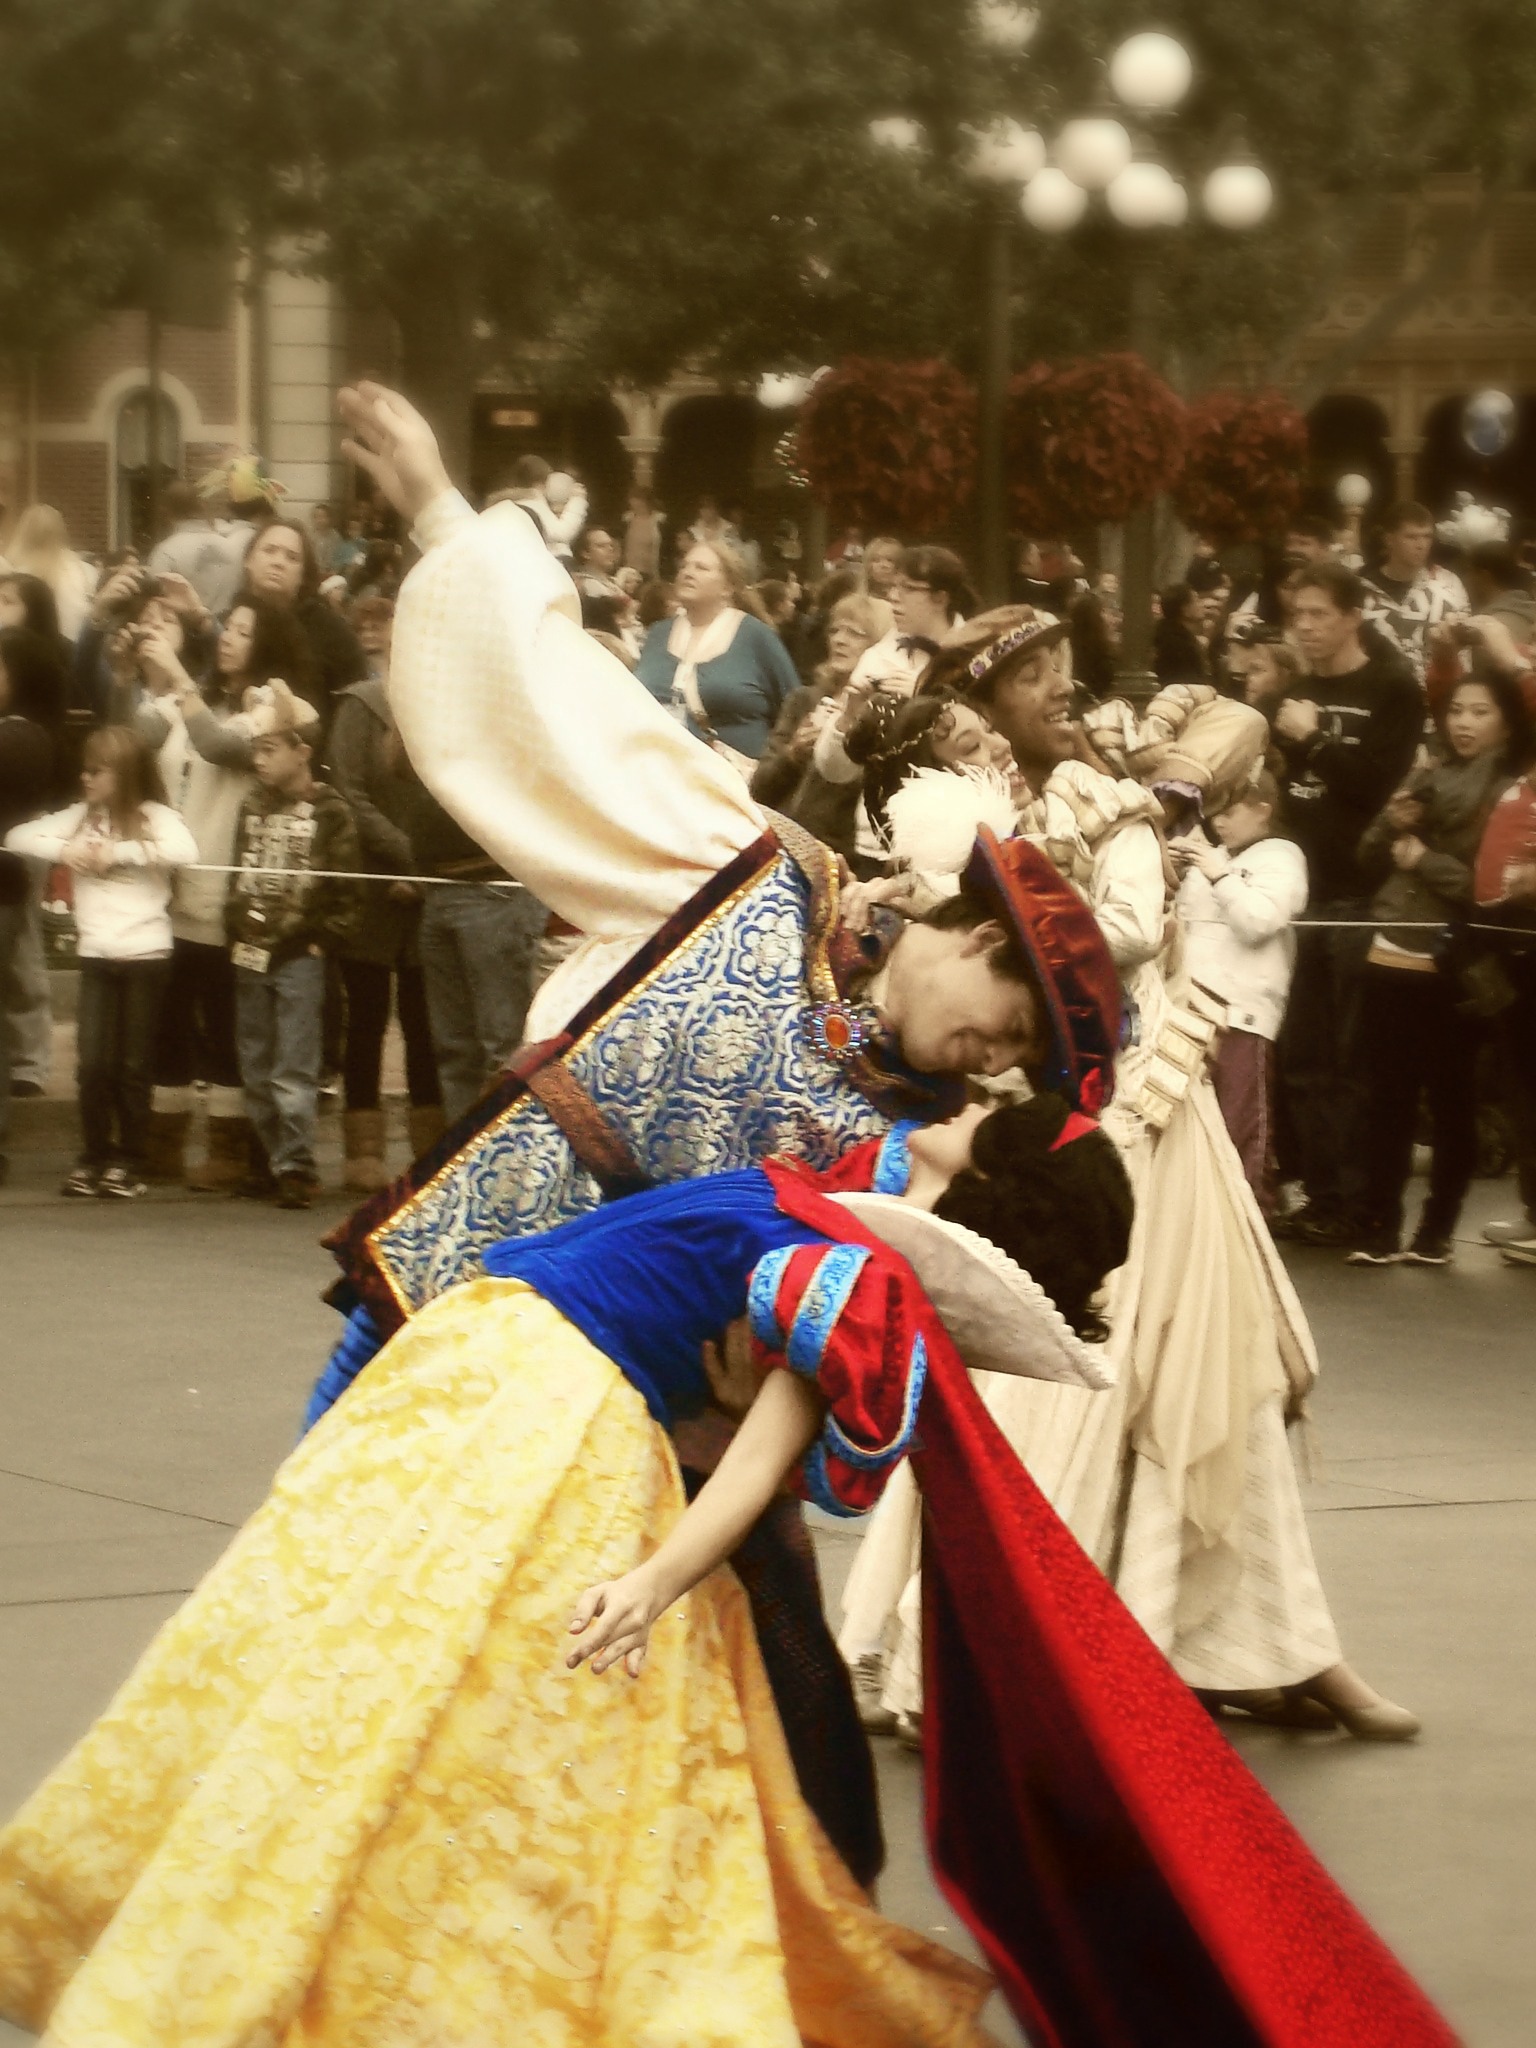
<point>1348,731</point>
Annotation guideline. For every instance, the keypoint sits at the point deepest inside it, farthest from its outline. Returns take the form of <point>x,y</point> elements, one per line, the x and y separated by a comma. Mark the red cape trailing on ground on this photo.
<point>1131,1883</point>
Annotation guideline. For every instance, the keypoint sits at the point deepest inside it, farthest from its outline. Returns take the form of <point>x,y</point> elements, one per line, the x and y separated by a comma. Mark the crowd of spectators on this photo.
<point>1367,904</point>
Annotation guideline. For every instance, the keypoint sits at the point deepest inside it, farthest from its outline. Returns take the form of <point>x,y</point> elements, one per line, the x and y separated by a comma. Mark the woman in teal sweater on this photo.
<point>719,669</point>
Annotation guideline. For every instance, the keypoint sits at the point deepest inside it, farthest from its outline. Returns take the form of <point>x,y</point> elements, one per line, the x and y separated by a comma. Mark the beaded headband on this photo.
<point>1032,630</point>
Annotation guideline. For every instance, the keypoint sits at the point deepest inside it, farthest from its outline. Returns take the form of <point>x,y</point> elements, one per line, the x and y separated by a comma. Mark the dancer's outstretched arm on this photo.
<point>539,742</point>
<point>615,1619</point>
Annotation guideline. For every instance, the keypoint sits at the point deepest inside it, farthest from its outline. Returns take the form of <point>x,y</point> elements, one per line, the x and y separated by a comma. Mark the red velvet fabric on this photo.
<point>1130,1881</point>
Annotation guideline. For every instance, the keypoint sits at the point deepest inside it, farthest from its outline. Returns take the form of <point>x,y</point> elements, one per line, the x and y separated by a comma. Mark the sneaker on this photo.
<point>868,1676</point>
<point>295,1191</point>
<point>1518,1232</point>
<point>1521,1254</point>
<point>83,1181</point>
<point>1379,1251</point>
<point>1429,1249</point>
<point>122,1183</point>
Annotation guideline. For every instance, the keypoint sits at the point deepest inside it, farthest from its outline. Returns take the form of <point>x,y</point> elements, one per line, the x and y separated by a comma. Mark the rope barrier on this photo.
<point>1300,924</point>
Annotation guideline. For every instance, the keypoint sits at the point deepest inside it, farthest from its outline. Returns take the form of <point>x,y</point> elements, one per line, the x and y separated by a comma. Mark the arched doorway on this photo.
<point>1347,435</point>
<point>708,448</point>
<point>132,439</point>
<point>582,435</point>
<point>1447,465</point>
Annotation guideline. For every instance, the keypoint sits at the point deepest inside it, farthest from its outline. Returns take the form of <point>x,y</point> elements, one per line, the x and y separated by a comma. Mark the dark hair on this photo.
<point>587,533</point>
<point>655,602</point>
<point>279,647</point>
<point>942,570</point>
<point>1519,750</point>
<point>891,738</point>
<point>1064,1215</point>
<point>309,581</point>
<point>181,501</point>
<point>1311,526</point>
<point>965,913</point>
<point>831,590</point>
<point>369,610</point>
<point>1497,560</point>
<point>1405,512</point>
<point>1093,651</point>
<point>126,752</point>
<point>35,669</point>
<point>39,602</point>
<point>600,612</point>
<point>1338,583</point>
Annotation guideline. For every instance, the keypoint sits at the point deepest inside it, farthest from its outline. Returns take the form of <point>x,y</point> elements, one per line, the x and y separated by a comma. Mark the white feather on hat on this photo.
<point>935,815</point>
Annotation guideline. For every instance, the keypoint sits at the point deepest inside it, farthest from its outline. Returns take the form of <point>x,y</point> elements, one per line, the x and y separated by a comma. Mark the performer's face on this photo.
<point>1032,708</point>
<point>953,1013</point>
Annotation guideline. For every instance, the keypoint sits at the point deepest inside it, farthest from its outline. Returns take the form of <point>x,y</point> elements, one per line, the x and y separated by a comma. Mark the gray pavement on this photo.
<point>154,1360</point>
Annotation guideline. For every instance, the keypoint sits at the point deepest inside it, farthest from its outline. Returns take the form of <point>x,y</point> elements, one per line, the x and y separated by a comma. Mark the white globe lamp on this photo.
<point>1150,72</point>
<point>1146,195</point>
<point>1238,195</point>
<point>1005,25</point>
<point>1006,153</point>
<point>1093,150</point>
<point>1354,492</point>
<point>1052,203</point>
<point>781,391</point>
<point>899,133</point>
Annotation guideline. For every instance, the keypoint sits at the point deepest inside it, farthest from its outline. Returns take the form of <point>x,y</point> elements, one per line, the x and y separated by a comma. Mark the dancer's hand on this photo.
<point>392,441</point>
<point>619,1617</point>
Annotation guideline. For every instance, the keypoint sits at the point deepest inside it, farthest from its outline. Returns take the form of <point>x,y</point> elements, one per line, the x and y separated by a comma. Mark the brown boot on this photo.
<point>425,1124</point>
<point>165,1146</point>
<point>363,1136</point>
<point>229,1154</point>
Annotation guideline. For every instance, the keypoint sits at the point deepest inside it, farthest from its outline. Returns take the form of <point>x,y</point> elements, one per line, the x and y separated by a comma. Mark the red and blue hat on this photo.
<point>1061,940</point>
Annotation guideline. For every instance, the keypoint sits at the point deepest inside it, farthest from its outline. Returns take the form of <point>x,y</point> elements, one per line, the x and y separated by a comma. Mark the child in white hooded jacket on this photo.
<point>122,844</point>
<point>1237,903</point>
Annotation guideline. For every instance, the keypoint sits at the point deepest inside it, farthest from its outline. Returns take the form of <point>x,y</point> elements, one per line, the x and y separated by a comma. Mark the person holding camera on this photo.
<point>129,606</point>
<point>1420,1027</point>
<point>203,737</point>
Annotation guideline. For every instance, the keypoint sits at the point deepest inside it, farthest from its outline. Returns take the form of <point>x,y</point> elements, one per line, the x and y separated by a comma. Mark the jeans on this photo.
<point>477,946</point>
<point>367,984</point>
<point>1418,1040</point>
<point>277,1018</point>
<point>196,1040</point>
<point>12,917</point>
<point>119,1015</point>
<point>25,994</point>
<point>1319,1057</point>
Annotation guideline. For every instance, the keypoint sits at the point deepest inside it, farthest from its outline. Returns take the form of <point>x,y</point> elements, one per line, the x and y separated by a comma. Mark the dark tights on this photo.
<point>367,985</point>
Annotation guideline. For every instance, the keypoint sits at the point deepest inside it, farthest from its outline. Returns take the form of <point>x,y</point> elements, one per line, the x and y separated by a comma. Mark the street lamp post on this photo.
<point>1148,75</point>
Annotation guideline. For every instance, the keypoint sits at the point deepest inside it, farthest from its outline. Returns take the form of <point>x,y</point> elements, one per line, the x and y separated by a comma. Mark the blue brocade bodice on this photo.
<point>705,1066</point>
<point>649,1279</point>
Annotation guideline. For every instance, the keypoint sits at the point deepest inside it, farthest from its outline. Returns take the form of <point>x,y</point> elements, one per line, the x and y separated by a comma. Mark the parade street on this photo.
<point>156,1357</point>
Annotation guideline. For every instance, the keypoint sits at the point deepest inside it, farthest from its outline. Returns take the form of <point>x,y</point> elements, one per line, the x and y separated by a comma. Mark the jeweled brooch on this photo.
<point>838,1032</point>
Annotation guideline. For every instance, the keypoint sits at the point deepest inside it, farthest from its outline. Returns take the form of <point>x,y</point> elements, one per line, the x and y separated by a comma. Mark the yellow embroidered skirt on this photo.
<point>352,1795</point>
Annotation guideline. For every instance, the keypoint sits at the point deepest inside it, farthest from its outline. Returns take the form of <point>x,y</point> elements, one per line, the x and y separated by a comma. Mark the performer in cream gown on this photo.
<point>1179,1482</point>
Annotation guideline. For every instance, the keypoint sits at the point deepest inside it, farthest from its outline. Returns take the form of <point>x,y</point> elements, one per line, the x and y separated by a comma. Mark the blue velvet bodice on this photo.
<point>649,1279</point>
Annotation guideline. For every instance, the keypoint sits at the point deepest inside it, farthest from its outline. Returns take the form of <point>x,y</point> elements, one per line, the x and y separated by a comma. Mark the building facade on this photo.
<point>238,367</point>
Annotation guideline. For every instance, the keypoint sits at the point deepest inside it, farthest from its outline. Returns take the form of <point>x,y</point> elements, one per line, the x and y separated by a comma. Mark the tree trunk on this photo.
<point>434,303</point>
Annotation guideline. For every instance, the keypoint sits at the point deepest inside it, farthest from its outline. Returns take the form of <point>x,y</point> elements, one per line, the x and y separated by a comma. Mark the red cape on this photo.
<point>1131,1883</point>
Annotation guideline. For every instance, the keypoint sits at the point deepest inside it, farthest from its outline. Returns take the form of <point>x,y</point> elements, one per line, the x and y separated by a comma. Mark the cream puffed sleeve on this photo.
<point>542,745</point>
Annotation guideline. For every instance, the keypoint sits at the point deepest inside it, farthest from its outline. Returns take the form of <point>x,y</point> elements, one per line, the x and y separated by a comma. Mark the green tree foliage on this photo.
<point>619,186</point>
